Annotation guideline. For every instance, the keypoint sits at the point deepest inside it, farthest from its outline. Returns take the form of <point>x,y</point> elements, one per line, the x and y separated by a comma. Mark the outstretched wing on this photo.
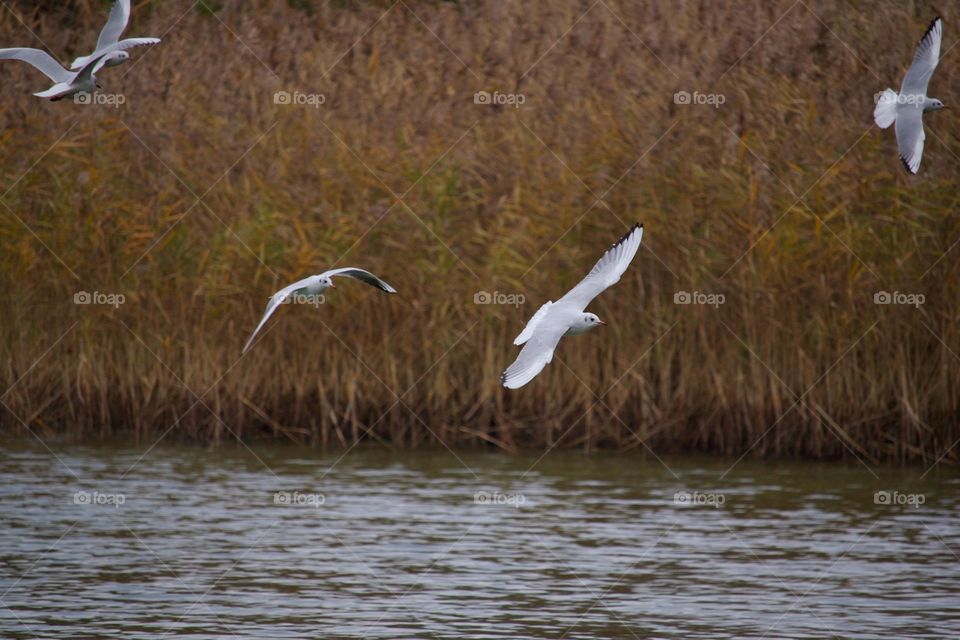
<point>528,330</point>
<point>535,355</point>
<point>275,301</point>
<point>40,60</point>
<point>116,23</point>
<point>925,60</point>
<point>127,43</point>
<point>607,271</point>
<point>362,275</point>
<point>910,137</point>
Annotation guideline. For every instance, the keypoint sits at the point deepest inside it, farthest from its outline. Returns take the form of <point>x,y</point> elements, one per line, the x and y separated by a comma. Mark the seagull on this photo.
<point>314,286</point>
<point>907,108</point>
<point>66,82</point>
<point>110,35</point>
<point>566,316</point>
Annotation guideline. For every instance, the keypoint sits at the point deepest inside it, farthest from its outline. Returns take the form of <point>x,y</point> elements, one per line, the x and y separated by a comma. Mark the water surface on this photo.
<point>283,542</point>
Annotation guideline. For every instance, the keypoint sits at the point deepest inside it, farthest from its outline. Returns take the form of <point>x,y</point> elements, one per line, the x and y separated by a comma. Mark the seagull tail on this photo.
<point>885,112</point>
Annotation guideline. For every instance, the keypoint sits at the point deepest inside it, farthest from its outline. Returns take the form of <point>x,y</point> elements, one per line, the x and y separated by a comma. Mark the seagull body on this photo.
<point>110,35</point>
<point>66,82</point>
<point>906,109</point>
<point>566,316</point>
<point>315,286</point>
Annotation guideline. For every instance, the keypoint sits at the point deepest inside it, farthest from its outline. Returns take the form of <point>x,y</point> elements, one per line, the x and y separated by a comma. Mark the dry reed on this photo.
<point>200,196</point>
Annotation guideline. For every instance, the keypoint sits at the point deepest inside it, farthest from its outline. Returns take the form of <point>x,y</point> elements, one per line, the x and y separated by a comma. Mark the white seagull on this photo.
<point>566,316</point>
<point>907,107</point>
<point>110,35</point>
<point>315,286</point>
<point>66,82</point>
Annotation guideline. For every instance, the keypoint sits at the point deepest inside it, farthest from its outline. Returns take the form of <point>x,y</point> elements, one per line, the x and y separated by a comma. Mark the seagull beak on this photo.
<point>333,286</point>
<point>601,322</point>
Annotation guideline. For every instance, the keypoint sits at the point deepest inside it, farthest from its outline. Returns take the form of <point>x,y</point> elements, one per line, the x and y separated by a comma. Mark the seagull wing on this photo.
<point>528,330</point>
<point>275,301</point>
<point>536,353</point>
<point>116,23</point>
<point>910,136</point>
<point>607,271</point>
<point>128,43</point>
<point>925,60</point>
<point>362,275</point>
<point>40,60</point>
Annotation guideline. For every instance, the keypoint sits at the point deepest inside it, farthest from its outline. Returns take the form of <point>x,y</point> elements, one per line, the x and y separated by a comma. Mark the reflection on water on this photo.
<point>293,543</point>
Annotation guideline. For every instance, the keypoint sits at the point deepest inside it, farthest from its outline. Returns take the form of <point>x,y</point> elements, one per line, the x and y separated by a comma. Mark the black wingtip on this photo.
<point>933,23</point>
<point>906,166</point>
<point>624,237</point>
<point>386,287</point>
<point>503,378</point>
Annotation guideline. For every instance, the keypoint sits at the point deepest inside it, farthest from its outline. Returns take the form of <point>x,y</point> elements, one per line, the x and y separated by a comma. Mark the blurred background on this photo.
<point>795,294</point>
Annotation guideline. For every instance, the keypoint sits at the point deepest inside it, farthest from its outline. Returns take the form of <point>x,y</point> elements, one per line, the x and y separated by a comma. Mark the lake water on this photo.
<point>284,542</point>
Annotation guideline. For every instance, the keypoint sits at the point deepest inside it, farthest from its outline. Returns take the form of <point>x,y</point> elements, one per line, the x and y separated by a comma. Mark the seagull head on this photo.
<point>327,282</point>
<point>933,104</point>
<point>115,58</point>
<point>591,321</point>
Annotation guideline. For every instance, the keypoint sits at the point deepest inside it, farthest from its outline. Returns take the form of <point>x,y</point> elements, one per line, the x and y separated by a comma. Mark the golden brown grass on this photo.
<point>200,196</point>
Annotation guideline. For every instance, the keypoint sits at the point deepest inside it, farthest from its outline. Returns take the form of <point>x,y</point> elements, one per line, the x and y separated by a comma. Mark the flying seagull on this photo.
<point>907,107</point>
<point>110,35</point>
<point>566,316</point>
<point>66,82</point>
<point>314,286</point>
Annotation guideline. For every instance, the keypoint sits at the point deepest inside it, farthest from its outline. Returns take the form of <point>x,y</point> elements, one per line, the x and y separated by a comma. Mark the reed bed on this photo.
<point>200,196</point>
